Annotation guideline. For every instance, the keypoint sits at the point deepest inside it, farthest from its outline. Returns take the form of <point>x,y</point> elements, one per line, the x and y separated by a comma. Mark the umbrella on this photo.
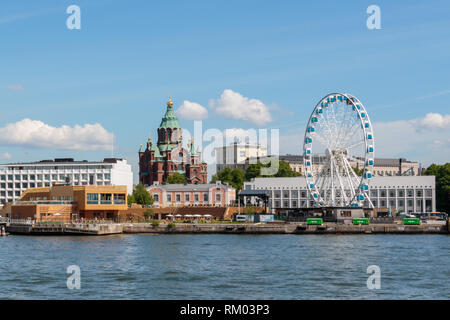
<point>207,215</point>
<point>188,215</point>
<point>178,215</point>
<point>170,215</point>
<point>57,214</point>
<point>197,215</point>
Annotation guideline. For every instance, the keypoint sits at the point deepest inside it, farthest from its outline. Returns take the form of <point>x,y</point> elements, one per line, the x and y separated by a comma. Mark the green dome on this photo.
<point>169,120</point>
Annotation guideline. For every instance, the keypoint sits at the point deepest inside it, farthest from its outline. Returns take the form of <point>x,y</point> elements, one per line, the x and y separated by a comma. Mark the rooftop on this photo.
<point>63,161</point>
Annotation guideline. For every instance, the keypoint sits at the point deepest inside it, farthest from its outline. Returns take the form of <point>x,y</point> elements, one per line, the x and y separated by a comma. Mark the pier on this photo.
<point>29,227</point>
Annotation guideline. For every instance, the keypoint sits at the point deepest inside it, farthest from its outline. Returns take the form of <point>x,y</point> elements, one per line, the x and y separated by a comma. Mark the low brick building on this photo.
<point>211,194</point>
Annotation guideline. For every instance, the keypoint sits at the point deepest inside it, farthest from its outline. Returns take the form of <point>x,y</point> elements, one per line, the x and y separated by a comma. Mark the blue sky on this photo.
<point>120,68</point>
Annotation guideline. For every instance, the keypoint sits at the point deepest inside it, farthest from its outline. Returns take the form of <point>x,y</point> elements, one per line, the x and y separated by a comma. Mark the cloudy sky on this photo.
<point>238,65</point>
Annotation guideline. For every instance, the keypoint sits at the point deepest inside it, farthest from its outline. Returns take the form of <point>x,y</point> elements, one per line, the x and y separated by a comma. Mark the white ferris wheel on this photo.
<point>339,136</point>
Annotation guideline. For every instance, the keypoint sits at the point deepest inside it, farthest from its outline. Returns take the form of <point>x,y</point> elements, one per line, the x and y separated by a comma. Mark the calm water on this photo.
<point>226,266</point>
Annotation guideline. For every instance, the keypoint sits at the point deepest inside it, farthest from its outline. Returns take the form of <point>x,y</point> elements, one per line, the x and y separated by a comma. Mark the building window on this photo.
<point>32,177</point>
<point>84,176</point>
<point>107,176</point>
<point>186,198</point>
<point>391,193</point>
<point>277,204</point>
<point>24,177</point>
<point>218,197</point>
<point>17,176</point>
<point>105,198</point>
<point>383,193</point>
<point>285,204</point>
<point>119,198</point>
<point>294,203</point>
<point>428,193</point>
<point>156,197</point>
<point>401,193</point>
<point>24,185</point>
<point>205,197</point>
<point>294,194</point>
<point>285,194</point>
<point>92,198</point>
<point>3,177</point>
<point>419,193</point>
<point>277,194</point>
<point>54,177</point>
<point>99,176</point>
<point>196,197</point>
<point>410,193</point>
<point>47,177</point>
<point>10,177</point>
<point>169,198</point>
<point>177,197</point>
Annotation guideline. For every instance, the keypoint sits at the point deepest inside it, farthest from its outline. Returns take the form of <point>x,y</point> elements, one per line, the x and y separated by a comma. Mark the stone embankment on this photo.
<point>328,228</point>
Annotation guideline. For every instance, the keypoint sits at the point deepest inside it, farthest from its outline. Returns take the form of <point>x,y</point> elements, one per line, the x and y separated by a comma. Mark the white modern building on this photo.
<point>15,178</point>
<point>399,193</point>
<point>236,155</point>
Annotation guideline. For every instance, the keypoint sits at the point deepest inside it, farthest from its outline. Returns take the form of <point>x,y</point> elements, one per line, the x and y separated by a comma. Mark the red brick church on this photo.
<point>158,162</point>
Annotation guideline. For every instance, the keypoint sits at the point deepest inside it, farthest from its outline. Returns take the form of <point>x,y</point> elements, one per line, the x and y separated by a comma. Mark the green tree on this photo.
<point>235,177</point>
<point>442,174</point>
<point>130,199</point>
<point>176,178</point>
<point>141,195</point>
<point>284,170</point>
<point>148,213</point>
<point>359,172</point>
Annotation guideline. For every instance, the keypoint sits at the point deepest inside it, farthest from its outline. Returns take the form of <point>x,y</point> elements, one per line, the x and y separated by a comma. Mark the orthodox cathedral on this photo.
<point>158,162</point>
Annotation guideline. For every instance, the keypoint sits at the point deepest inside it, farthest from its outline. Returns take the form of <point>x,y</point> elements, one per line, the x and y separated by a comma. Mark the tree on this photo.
<point>141,195</point>
<point>235,177</point>
<point>176,178</point>
<point>284,170</point>
<point>148,213</point>
<point>359,172</point>
<point>442,174</point>
<point>130,199</point>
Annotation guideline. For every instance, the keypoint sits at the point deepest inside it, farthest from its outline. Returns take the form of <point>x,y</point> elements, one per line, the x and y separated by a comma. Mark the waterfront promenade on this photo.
<point>101,228</point>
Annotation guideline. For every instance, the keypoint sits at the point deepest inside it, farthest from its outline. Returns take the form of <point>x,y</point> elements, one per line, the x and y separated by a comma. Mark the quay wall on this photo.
<point>286,229</point>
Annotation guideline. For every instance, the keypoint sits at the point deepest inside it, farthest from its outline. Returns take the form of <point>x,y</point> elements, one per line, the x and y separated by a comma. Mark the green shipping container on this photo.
<point>361,221</point>
<point>411,221</point>
<point>314,221</point>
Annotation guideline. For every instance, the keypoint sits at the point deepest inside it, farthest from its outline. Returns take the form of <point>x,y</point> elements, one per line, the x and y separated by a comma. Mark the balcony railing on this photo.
<point>44,202</point>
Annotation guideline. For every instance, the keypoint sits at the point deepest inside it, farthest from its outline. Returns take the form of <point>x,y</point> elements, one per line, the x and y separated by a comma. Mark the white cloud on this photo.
<point>435,120</point>
<point>235,106</point>
<point>35,133</point>
<point>15,87</point>
<point>425,140</point>
<point>192,111</point>
<point>5,156</point>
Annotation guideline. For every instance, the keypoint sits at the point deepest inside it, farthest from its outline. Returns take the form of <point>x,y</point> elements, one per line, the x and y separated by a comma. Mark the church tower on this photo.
<point>159,161</point>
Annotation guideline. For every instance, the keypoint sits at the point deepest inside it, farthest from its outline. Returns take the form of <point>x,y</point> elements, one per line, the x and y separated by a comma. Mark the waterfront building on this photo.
<point>168,156</point>
<point>382,166</point>
<point>211,194</point>
<point>412,194</point>
<point>67,202</point>
<point>237,155</point>
<point>15,178</point>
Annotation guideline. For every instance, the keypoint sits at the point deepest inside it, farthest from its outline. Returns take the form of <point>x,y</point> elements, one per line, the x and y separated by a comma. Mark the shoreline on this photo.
<point>224,228</point>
